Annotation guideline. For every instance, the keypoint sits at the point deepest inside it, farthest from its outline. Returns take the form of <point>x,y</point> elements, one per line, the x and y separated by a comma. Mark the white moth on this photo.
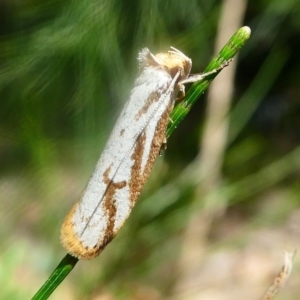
<point>130,152</point>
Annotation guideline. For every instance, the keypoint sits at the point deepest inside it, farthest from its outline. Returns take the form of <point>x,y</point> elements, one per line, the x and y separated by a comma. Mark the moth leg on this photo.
<point>163,146</point>
<point>198,77</point>
<point>180,91</point>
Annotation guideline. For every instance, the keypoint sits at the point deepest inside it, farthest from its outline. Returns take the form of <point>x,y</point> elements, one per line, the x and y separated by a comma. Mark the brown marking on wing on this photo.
<point>122,132</point>
<point>110,207</point>
<point>158,139</point>
<point>153,97</point>
<point>71,241</point>
<point>106,178</point>
<point>111,210</point>
<point>138,178</point>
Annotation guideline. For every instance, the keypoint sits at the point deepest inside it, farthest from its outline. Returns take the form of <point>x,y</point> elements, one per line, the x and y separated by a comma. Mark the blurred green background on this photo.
<point>213,220</point>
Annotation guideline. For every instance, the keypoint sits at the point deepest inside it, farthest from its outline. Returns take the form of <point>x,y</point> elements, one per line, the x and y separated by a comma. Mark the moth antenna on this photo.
<point>175,50</point>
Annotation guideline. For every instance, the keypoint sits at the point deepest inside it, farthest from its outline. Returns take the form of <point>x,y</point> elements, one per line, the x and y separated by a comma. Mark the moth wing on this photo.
<point>107,200</point>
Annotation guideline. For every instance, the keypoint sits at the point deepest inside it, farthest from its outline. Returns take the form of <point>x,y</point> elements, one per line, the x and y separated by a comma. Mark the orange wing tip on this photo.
<point>71,242</point>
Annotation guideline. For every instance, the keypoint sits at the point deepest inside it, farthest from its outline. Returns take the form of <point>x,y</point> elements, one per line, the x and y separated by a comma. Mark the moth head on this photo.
<point>173,61</point>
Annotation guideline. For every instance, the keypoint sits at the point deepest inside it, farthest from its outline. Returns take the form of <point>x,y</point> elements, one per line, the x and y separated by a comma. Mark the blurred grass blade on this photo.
<point>258,89</point>
<point>232,47</point>
<point>236,42</point>
<point>58,275</point>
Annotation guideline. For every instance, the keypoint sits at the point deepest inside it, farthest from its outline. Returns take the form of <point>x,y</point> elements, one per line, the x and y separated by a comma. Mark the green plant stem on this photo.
<point>231,48</point>
<point>236,42</point>
<point>59,274</point>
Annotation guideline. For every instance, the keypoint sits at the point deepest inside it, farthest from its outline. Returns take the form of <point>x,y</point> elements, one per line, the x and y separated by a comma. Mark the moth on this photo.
<point>128,157</point>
